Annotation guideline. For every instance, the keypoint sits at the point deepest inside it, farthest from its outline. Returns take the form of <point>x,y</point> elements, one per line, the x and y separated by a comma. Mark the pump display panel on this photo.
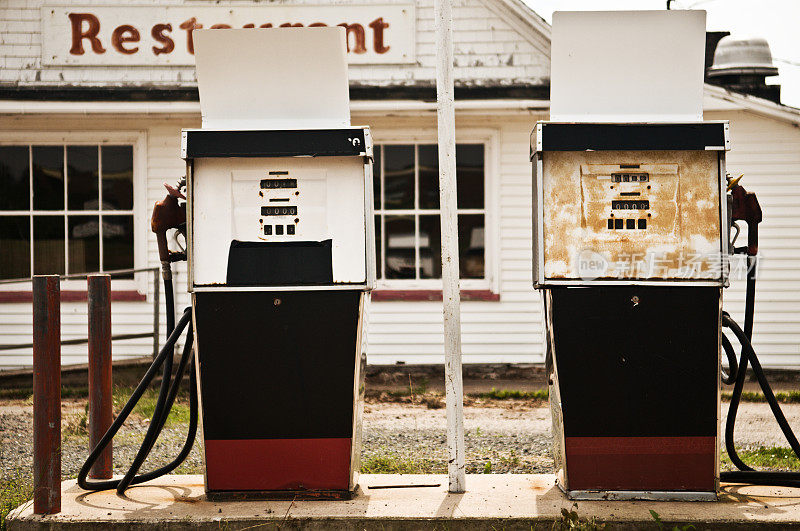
<point>281,220</point>
<point>628,212</point>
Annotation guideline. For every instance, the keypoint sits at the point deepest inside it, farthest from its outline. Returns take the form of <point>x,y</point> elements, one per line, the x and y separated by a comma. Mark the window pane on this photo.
<point>48,179</point>
<point>430,247</point>
<point>400,255</point>
<point>48,245</point>
<point>84,244</point>
<point>470,175</point>
<point>376,177</point>
<point>15,249</point>
<point>398,179</point>
<point>470,245</point>
<point>117,177</point>
<point>378,240</point>
<point>118,243</point>
<point>14,179</point>
<point>428,176</point>
<point>82,176</point>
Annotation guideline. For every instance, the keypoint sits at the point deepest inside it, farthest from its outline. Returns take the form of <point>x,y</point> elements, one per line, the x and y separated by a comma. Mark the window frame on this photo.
<point>137,139</point>
<point>490,140</point>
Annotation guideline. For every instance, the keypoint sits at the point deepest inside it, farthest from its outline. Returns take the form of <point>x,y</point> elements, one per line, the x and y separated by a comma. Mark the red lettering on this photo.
<point>249,26</point>
<point>91,32</point>
<point>378,25</point>
<point>290,25</point>
<point>123,34</point>
<point>267,25</point>
<point>317,25</point>
<point>358,33</point>
<point>190,25</point>
<point>220,26</point>
<point>159,33</point>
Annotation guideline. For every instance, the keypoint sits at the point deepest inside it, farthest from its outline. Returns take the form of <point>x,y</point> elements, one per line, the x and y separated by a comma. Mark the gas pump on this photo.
<point>279,226</point>
<point>632,235</point>
<point>279,223</point>
<point>630,231</point>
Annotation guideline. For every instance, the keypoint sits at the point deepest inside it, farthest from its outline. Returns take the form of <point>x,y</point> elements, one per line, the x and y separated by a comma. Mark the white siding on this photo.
<point>508,330</point>
<point>767,152</point>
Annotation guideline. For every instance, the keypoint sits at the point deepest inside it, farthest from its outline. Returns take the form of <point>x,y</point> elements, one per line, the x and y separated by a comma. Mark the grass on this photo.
<point>26,393</point>
<point>14,491</point>
<point>790,397</point>
<point>785,397</point>
<point>507,394</point>
<point>147,405</point>
<point>570,519</point>
<point>772,457</point>
<point>394,463</point>
<point>662,526</point>
<point>414,392</point>
<point>77,426</point>
<point>411,389</point>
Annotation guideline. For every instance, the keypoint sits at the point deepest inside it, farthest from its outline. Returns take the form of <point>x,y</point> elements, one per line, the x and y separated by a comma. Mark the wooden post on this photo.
<point>451,296</point>
<point>46,394</point>
<point>100,400</point>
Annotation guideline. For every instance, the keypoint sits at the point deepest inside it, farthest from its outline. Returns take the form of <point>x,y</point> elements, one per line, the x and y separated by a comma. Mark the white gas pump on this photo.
<point>280,227</point>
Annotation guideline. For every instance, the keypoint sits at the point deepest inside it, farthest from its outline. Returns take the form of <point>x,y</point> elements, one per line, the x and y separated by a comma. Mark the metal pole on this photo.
<point>46,394</point>
<point>100,400</point>
<point>451,296</point>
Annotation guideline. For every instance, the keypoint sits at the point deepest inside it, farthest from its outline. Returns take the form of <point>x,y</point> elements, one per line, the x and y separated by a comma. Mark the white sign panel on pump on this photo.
<point>287,78</point>
<point>627,66</point>
<point>139,35</point>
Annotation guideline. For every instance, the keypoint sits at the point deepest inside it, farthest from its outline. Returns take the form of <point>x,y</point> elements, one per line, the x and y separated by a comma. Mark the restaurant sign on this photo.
<point>150,36</point>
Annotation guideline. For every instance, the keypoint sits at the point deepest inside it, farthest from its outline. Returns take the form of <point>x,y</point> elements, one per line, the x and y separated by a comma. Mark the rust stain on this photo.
<point>189,499</point>
<point>678,201</point>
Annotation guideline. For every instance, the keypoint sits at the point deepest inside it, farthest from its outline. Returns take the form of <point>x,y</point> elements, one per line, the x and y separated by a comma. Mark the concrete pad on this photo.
<point>509,501</point>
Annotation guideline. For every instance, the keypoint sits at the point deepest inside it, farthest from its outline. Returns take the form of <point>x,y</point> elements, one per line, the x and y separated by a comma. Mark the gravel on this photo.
<point>16,442</point>
<point>500,436</point>
<point>514,438</point>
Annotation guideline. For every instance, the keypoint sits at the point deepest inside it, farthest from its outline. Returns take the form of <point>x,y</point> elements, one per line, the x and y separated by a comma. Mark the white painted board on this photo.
<point>621,66</point>
<point>280,78</point>
<point>159,35</point>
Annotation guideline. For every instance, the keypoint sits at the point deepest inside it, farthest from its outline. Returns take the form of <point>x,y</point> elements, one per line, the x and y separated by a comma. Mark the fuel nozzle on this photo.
<point>745,208</point>
<point>169,214</point>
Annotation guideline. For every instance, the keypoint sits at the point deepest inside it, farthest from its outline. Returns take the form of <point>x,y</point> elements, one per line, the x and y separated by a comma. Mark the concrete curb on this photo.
<point>524,501</point>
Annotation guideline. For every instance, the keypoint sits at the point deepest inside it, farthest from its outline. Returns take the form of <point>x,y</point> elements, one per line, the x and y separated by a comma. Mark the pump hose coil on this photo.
<point>737,373</point>
<point>166,398</point>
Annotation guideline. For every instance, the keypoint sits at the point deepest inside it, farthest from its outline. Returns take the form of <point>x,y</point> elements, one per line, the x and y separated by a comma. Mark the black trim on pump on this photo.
<point>635,137</point>
<point>283,143</point>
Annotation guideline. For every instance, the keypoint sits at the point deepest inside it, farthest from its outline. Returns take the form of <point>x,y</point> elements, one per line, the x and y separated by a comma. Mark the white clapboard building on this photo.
<point>93,96</point>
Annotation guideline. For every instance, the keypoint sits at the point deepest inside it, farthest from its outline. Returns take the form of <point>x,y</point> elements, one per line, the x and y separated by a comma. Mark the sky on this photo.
<point>778,21</point>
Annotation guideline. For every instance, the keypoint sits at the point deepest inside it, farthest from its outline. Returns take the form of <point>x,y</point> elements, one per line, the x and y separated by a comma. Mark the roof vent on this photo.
<point>742,56</point>
<point>742,65</point>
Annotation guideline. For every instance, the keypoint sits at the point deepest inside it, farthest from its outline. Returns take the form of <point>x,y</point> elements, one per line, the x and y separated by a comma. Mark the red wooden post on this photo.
<point>100,401</point>
<point>46,394</point>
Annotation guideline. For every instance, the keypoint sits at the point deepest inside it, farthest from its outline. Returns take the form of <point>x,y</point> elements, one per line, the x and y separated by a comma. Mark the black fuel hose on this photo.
<point>166,398</point>
<point>730,378</point>
<point>169,295</point>
<point>167,395</point>
<point>746,474</point>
